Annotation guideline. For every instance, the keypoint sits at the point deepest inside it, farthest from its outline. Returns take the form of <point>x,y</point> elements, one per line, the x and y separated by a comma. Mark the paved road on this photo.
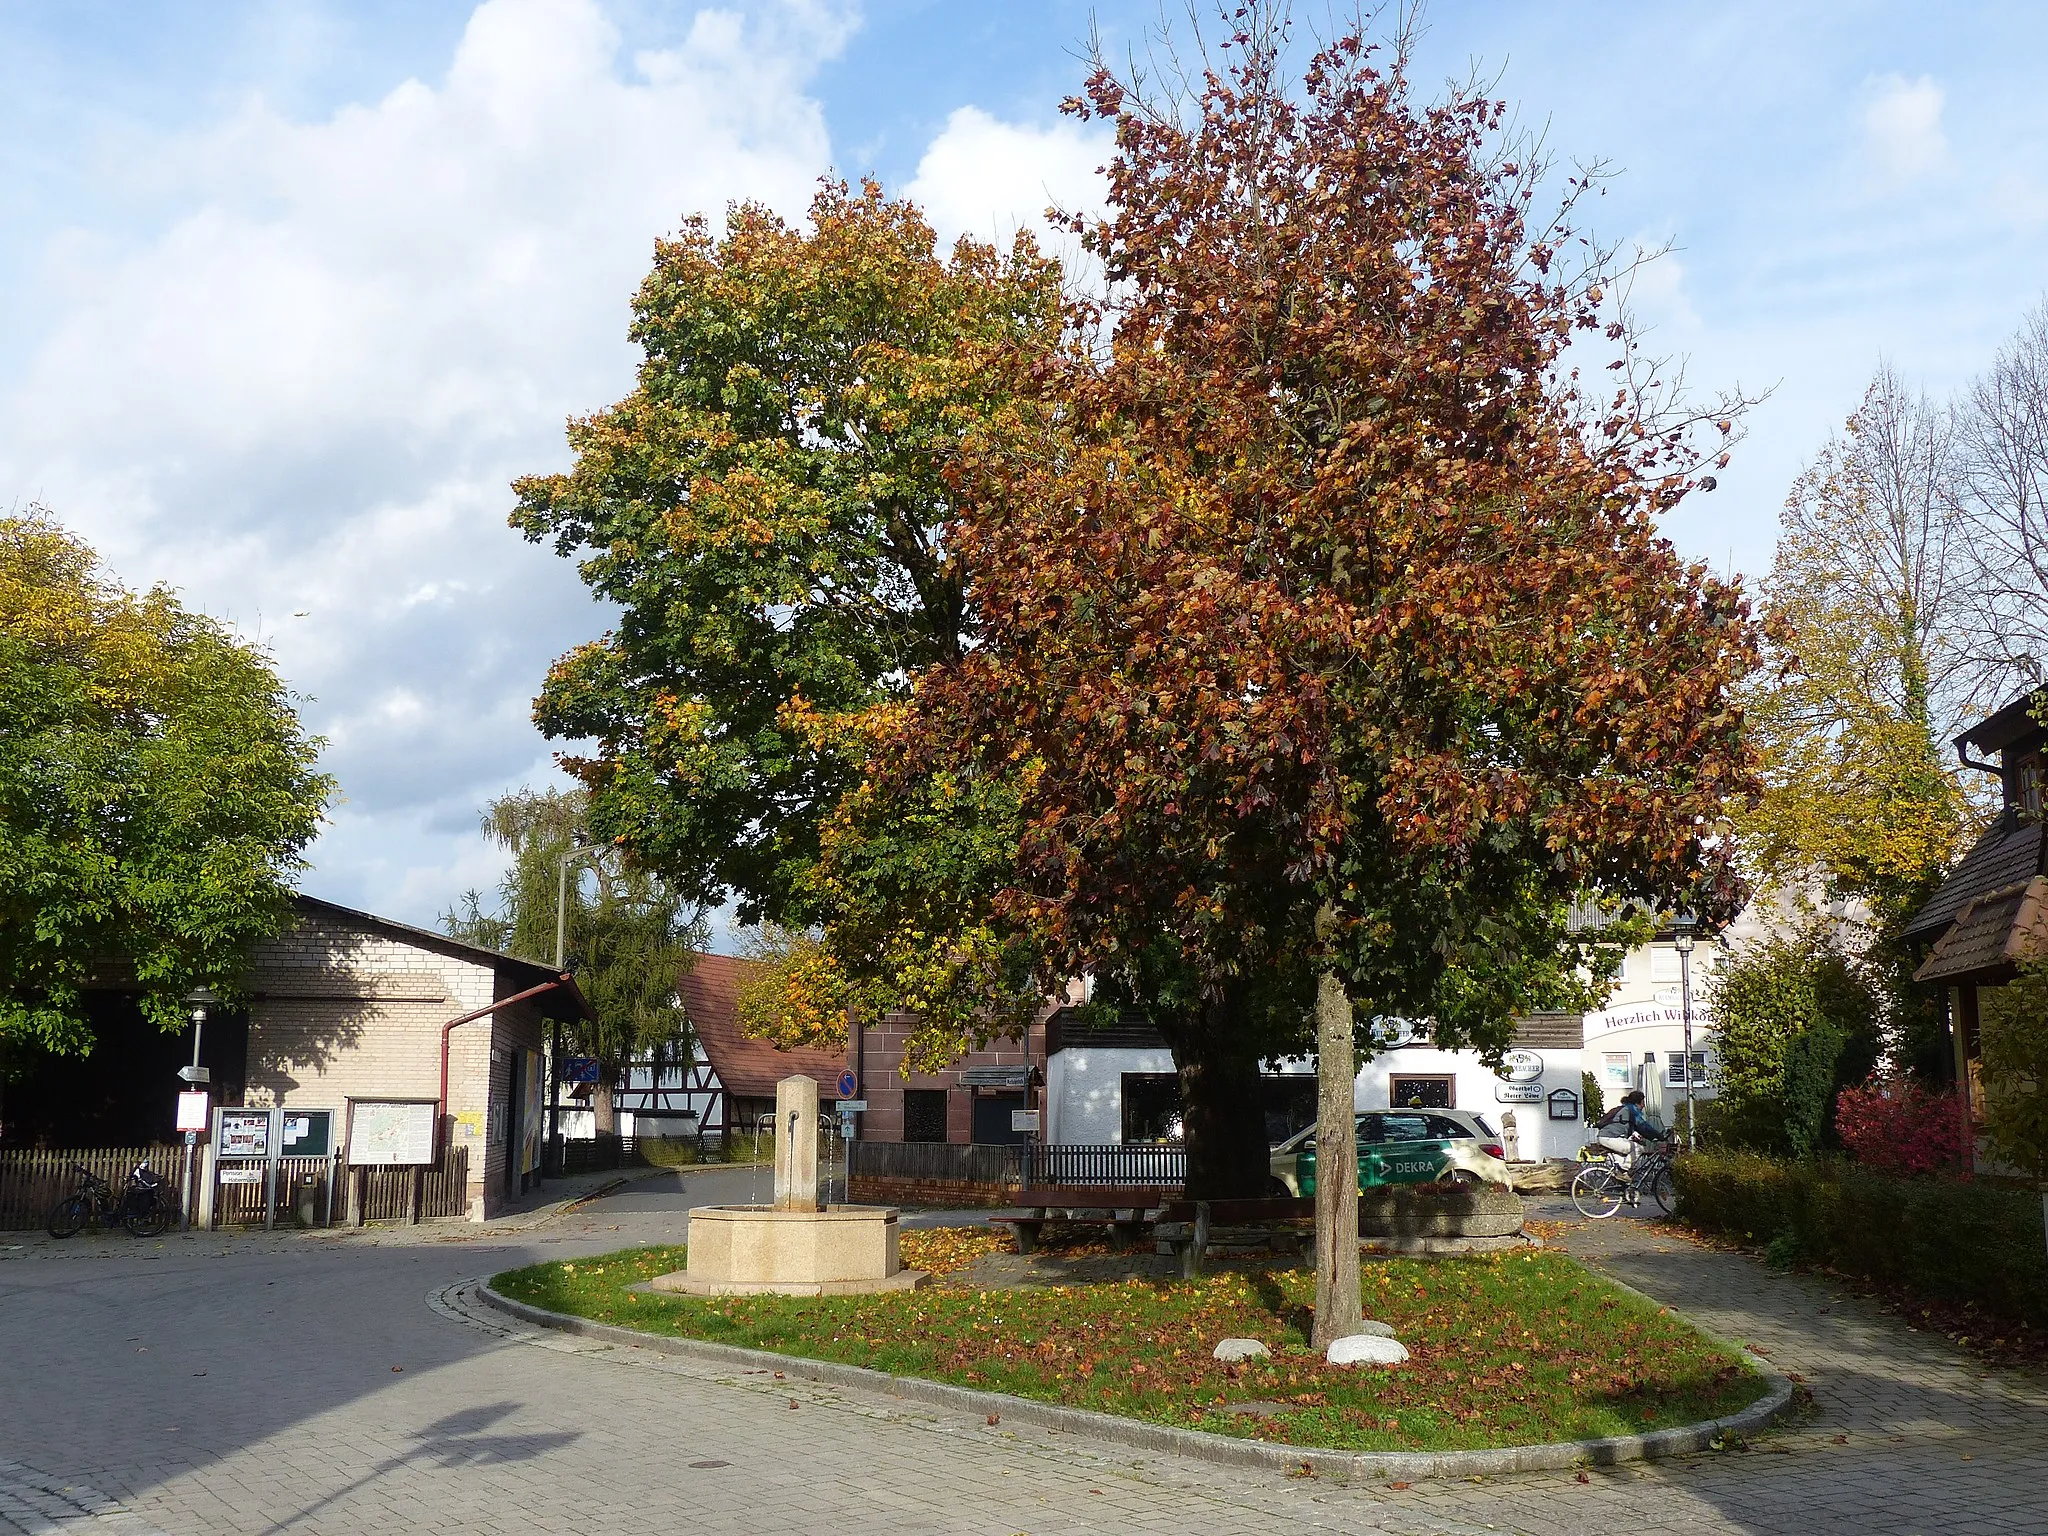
<point>341,1385</point>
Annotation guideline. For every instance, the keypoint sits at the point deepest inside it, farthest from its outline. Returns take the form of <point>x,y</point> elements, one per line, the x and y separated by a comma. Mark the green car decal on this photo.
<point>1419,1161</point>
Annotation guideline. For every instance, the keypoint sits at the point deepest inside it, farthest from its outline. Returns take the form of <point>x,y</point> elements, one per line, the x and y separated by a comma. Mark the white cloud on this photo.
<point>987,178</point>
<point>307,390</point>
<point>1902,134</point>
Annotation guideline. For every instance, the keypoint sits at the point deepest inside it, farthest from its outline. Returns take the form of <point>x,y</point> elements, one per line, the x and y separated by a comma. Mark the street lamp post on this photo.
<point>200,1000</point>
<point>576,851</point>
<point>1683,928</point>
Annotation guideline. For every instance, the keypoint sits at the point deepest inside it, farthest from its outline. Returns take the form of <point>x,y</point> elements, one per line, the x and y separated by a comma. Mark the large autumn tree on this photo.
<point>1323,631</point>
<point>156,793</point>
<point>765,510</point>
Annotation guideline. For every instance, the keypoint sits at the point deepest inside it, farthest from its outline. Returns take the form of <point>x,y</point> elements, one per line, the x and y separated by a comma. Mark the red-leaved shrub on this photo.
<point>1894,1126</point>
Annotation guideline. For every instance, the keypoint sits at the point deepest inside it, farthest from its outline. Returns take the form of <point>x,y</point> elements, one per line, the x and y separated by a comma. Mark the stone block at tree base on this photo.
<point>1241,1349</point>
<point>1366,1349</point>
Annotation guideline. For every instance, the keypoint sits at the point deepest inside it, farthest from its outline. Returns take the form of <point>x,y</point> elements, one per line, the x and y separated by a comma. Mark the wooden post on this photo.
<point>419,1179</point>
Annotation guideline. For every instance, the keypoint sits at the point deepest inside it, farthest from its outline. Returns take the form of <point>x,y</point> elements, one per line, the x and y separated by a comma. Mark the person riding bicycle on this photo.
<point>1626,1126</point>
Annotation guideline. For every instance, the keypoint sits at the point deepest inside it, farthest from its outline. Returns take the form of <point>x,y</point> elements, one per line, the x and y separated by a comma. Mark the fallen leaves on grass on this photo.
<point>948,1250</point>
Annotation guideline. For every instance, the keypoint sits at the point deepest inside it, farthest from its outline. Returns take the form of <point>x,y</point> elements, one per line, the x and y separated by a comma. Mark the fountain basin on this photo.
<point>750,1250</point>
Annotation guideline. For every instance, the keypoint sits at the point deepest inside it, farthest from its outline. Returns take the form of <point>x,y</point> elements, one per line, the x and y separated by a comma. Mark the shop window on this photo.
<point>1290,1104</point>
<point>1664,963</point>
<point>1674,1069</point>
<point>1619,1071</point>
<point>1151,1107</point>
<point>1420,1093</point>
<point>924,1114</point>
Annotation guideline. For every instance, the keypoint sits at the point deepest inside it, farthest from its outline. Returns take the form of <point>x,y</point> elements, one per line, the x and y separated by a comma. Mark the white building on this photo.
<point>1116,1084</point>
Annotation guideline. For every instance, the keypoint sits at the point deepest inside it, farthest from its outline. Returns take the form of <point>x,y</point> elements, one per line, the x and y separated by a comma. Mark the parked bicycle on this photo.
<point>1601,1188</point>
<point>143,1205</point>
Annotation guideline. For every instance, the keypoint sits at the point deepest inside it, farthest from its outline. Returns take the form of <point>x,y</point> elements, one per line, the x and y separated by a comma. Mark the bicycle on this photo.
<point>143,1206</point>
<point>1603,1188</point>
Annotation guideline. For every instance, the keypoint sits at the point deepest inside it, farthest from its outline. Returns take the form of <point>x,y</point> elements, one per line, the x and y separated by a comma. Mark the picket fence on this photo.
<point>31,1183</point>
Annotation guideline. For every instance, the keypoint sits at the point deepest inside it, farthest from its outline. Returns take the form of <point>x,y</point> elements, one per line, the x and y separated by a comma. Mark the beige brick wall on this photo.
<point>342,1012</point>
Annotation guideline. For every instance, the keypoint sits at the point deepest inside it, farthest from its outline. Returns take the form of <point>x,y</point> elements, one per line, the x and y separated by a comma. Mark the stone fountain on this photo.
<point>794,1247</point>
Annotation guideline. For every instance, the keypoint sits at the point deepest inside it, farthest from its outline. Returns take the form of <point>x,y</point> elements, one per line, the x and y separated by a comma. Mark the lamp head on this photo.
<point>1683,927</point>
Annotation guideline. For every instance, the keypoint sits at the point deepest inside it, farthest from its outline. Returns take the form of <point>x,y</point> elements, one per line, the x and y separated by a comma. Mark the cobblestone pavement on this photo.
<point>274,1386</point>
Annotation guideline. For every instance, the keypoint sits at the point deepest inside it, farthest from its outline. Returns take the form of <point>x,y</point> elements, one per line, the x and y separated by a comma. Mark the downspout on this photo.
<point>470,1018</point>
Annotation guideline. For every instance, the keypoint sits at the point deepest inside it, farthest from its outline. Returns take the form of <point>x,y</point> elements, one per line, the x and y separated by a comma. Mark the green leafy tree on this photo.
<point>156,793</point>
<point>629,936</point>
<point>1796,1020</point>
<point>765,509</point>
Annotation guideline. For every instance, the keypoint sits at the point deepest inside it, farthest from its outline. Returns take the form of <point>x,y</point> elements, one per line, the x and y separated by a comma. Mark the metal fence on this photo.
<point>1148,1167</point>
<point>1031,1165</point>
<point>31,1183</point>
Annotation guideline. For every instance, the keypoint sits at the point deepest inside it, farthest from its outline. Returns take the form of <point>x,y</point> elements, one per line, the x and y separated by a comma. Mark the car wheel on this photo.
<point>1461,1178</point>
<point>1276,1188</point>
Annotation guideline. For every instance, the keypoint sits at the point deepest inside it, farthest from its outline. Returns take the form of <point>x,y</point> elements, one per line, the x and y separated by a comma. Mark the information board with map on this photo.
<point>391,1133</point>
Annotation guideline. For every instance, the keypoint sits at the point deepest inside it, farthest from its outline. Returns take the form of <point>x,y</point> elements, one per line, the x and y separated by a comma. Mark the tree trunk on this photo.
<point>1223,1118</point>
<point>1337,1306</point>
<point>602,1108</point>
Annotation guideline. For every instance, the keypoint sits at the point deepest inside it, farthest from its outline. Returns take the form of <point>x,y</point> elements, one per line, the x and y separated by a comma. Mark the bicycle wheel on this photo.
<point>1597,1191</point>
<point>1664,1191</point>
<point>69,1215</point>
<point>147,1219</point>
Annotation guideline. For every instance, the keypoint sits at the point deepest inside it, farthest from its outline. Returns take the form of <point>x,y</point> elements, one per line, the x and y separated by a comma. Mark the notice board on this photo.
<point>391,1133</point>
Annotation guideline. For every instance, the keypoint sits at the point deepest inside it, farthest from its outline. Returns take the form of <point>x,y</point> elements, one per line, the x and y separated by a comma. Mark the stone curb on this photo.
<point>1364,1466</point>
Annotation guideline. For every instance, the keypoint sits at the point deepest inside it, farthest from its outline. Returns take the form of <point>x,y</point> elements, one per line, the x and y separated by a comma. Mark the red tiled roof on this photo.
<point>747,1067</point>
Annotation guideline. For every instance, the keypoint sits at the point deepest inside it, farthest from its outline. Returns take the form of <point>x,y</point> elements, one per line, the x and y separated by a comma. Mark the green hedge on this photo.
<point>1947,1239</point>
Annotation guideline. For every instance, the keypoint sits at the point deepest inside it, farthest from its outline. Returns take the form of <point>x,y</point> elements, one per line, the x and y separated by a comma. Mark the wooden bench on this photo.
<point>1186,1225</point>
<point>1075,1201</point>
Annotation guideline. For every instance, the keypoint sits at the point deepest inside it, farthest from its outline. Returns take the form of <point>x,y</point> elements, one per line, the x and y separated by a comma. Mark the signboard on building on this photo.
<point>193,1109</point>
<point>391,1133</point>
<point>1518,1093</point>
<point>1520,1067</point>
<point>306,1133</point>
<point>243,1133</point>
<point>995,1077</point>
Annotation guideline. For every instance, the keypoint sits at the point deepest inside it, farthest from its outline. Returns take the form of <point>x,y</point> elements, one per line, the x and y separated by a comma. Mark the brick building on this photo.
<point>971,1100</point>
<point>348,1008</point>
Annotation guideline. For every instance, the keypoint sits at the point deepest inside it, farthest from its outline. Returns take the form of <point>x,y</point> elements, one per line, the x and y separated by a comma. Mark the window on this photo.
<point>1289,1100</point>
<point>1406,1127</point>
<point>1419,1093</point>
<point>1663,963</point>
<point>2026,786</point>
<point>1674,1069</point>
<point>924,1114</point>
<point>1151,1107</point>
<point>1615,1064</point>
<point>1442,1127</point>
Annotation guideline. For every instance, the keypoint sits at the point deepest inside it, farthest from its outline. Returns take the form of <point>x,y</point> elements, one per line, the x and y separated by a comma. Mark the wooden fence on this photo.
<point>937,1161</point>
<point>31,1183</point>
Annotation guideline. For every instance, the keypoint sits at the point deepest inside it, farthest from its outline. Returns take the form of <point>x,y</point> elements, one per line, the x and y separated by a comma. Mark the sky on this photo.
<point>291,291</point>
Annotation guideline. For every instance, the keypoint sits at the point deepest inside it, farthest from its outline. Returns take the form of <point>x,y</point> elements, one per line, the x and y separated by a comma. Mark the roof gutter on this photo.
<point>1963,752</point>
<point>448,1029</point>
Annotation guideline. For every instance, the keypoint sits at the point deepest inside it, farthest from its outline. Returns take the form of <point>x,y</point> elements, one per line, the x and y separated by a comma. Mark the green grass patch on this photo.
<point>1517,1349</point>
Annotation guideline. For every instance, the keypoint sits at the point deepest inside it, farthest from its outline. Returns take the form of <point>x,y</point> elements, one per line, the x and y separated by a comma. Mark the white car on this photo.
<point>1472,1151</point>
